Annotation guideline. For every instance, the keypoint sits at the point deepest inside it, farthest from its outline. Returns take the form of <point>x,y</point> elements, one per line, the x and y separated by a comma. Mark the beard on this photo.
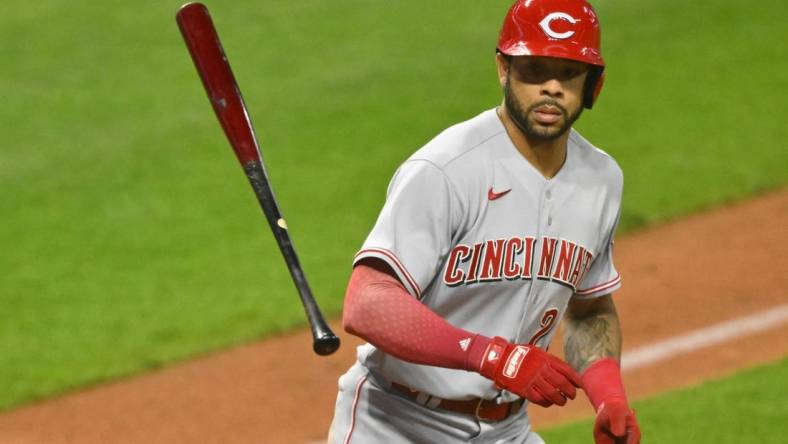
<point>534,130</point>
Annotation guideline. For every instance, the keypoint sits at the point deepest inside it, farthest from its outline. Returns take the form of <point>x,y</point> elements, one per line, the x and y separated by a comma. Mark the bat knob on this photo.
<point>325,345</point>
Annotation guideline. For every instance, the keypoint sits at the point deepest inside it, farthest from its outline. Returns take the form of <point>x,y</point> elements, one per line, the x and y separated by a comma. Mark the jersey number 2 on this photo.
<point>548,321</point>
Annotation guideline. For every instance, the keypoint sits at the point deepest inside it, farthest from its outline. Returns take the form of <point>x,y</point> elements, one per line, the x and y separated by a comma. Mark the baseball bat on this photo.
<point>224,94</point>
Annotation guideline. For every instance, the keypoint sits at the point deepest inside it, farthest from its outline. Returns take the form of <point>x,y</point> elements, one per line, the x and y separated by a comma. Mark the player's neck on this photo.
<point>547,156</point>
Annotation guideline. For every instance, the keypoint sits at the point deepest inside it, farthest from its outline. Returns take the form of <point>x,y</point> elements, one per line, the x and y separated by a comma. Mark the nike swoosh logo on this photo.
<point>492,195</point>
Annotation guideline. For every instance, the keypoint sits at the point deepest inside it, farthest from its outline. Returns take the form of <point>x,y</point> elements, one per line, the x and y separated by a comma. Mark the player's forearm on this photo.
<point>591,332</point>
<point>380,310</point>
<point>592,344</point>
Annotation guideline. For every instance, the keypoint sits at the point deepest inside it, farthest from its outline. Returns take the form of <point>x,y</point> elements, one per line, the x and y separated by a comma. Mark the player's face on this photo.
<point>543,95</point>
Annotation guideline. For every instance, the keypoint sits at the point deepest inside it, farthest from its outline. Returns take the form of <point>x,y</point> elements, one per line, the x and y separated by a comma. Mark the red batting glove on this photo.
<point>529,372</point>
<point>615,421</point>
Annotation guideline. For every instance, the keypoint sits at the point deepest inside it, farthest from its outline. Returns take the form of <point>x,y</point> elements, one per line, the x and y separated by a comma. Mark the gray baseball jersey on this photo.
<point>478,235</point>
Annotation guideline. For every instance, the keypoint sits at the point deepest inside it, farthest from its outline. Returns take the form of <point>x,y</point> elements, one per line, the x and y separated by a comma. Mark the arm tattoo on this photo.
<point>591,337</point>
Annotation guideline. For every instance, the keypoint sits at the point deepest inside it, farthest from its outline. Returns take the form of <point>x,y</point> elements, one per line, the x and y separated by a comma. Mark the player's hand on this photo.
<point>529,372</point>
<point>616,423</point>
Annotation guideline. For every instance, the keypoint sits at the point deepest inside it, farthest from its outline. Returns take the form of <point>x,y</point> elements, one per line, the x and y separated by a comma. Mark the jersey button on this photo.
<point>548,194</point>
<point>549,220</point>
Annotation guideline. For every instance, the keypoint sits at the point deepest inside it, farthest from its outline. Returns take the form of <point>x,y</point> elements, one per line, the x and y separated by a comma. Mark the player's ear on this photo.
<point>502,61</point>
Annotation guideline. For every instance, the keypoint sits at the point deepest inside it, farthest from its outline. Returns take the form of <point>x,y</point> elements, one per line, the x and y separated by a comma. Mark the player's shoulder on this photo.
<point>462,142</point>
<point>594,161</point>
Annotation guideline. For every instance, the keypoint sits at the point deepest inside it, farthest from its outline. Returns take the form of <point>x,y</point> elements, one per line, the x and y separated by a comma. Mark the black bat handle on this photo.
<point>325,342</point>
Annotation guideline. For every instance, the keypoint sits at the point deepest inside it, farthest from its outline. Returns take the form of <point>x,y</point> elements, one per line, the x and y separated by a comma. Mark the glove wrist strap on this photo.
<point>492,357</point>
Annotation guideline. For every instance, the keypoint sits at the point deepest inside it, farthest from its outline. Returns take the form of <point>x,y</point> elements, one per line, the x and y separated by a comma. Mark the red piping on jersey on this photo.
<point>600,287</point>
<point>353,410</point>
<point>412,282</point>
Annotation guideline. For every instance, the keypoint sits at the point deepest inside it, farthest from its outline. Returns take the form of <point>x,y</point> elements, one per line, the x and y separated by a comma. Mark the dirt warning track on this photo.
<point>703,276</point>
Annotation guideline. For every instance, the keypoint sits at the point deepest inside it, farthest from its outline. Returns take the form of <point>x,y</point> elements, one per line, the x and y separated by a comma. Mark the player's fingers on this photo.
<point>549,391</point>
<point>560,382</point>
<point>601,435</point>
<point>633,431</point>
<point>533,395</point>
<point>566,370</point>
<point>618,423</point>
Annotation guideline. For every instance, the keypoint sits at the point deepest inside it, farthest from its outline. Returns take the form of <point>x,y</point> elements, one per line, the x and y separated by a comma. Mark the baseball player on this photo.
<point>491,234</point>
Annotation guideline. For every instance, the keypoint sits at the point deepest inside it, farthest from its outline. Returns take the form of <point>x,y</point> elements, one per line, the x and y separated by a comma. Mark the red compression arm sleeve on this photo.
<point>380,310</point>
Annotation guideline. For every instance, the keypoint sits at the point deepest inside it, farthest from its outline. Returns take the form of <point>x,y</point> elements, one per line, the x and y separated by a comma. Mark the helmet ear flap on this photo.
<point>593,86</point>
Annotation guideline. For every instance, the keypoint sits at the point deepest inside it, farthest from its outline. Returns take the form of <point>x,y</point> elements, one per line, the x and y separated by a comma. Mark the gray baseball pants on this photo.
<point>366,412</point>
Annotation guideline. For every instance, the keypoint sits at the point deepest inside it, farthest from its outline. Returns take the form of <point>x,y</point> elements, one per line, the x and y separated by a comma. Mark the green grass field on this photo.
<point>131,239</point>
<point>748,408</point>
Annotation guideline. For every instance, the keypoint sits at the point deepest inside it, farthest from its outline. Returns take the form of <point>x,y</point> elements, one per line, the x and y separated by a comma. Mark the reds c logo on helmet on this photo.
<point>565,29</point>
<point>548,21</point>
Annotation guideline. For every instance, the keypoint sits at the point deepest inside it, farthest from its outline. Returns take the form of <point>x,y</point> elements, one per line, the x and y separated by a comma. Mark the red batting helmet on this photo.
<point>565,29</point>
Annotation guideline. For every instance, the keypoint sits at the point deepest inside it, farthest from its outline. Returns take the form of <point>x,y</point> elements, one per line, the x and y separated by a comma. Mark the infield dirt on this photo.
<point>678,277</point>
